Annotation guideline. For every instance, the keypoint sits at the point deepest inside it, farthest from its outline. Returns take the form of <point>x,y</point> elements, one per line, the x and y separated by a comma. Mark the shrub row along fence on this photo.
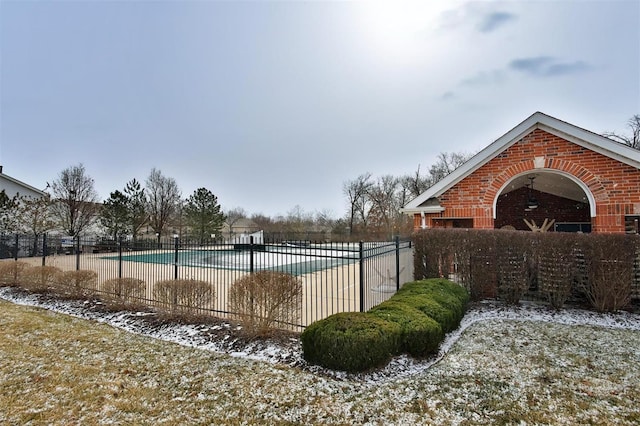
<point>333,277</point>
<point>600,269</point>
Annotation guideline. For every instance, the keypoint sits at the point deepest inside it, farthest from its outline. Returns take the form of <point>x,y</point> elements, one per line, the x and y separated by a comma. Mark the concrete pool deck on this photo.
<point>325,291</point>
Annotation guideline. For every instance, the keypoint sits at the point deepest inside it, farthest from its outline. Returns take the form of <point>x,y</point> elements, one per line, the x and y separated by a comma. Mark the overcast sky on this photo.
<point>272,105</point>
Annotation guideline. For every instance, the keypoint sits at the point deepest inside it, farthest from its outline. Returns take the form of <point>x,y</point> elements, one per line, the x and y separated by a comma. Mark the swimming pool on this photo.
<point>293,260</point>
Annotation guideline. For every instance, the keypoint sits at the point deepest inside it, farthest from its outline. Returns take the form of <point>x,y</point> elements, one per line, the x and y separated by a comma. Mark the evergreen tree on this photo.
<point>8,213</point>
<point>137,207</point>
<point>115,215</point>
<point>203,214</point>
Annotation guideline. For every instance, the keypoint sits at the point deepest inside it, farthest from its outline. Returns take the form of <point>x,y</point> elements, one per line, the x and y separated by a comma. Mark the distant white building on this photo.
<point>255,238</point>
<point>240,228</point>
<point>13,187</point>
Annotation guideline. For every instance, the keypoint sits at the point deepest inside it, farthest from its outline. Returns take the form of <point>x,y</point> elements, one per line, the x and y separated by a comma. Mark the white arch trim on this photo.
<point>585,188</point>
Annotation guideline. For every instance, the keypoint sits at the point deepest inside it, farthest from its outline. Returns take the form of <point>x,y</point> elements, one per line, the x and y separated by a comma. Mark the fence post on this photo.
<point>175,263</point>
<point>78,252</point>
<point>44,248</point>
<point>251,254</point>
<point>15,248</point>
<point>397,262</point>
<point>120,257</point>
<point>361,251</point>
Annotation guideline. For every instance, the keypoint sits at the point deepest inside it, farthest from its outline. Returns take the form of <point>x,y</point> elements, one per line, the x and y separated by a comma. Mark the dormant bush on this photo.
<point>76,283</point>
<point>39,278</point>
<point>124,290</point>
<point>557,267</point>
<point>265,300</point>
<point>513,249</point>
<point>510,265</point>
<point>11,272</point>
<point>183,296</point>
<point>610,270</point>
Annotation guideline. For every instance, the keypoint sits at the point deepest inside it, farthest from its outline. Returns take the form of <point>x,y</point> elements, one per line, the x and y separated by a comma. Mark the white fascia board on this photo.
<point>596,143</point>
<point>428,209</point>
<point>475,162</point>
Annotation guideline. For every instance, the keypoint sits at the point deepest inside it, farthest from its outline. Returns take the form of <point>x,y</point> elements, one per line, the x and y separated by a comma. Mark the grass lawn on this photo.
<point>58,369</point>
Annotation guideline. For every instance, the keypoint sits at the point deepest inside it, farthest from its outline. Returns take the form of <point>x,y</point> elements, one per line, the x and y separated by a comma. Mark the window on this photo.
<point>632,224</point>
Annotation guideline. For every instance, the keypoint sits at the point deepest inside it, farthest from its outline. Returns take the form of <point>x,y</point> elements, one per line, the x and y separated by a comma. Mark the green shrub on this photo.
<point>265,301</point>
<point>437,286</point>
<point>448,295</point>
<point>11,272</point>
<point>420,334</point>
<point>457,290</point>
<point>413,321</point>
<point>447,318</point>
<point>351,341</point>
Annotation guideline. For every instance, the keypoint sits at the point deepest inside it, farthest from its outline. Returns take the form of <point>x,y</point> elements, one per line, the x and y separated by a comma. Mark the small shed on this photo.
<point>543,171</point>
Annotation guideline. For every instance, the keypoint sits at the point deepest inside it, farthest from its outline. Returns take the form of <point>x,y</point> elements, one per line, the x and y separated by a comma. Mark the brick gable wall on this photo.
<point>614,185</point>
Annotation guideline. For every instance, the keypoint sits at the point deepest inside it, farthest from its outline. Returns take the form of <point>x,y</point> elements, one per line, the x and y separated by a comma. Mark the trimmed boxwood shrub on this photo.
<point>412,321</point>
<point>351,341</point>
<point>446,293</point>
<point>449,286</point>
<point>442,315</point>
<point>420,334</point>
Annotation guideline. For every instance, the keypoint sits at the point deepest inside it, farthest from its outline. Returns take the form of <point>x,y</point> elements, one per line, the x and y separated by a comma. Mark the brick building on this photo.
<point>542,169</point>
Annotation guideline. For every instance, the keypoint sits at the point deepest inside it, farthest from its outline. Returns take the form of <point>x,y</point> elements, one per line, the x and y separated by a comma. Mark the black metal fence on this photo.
<point>336,277</point>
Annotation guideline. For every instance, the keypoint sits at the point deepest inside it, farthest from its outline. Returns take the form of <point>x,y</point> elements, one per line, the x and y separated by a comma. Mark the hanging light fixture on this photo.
<point>532,203</point>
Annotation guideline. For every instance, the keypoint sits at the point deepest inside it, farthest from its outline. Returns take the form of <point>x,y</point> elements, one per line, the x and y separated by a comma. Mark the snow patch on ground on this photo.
<point>222,338</point>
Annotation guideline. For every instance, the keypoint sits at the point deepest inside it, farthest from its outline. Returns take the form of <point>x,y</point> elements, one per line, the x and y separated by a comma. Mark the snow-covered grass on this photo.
<point>524,365</point>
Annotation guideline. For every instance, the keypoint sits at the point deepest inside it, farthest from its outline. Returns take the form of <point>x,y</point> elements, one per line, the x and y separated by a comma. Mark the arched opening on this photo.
<point>544,197</point>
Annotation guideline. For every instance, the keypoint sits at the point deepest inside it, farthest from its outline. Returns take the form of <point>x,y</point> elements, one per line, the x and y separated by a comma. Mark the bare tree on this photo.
<point>233,216</point>
<point>163,197</point>
<point>356,192</point>
<point>298,221</point>
<point>445,164</point>
<point>375,206</point>
<point>384,196</point>
<point>632,140</point>
<point>415,184</point>
<point>75,201</point>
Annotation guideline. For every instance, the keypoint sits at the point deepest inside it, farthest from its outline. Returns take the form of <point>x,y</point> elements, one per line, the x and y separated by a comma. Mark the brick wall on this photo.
<point>614,185</point>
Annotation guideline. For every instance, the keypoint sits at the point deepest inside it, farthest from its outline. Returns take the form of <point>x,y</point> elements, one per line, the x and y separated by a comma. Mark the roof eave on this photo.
<point>24,185</point>
<point>426,209</point>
